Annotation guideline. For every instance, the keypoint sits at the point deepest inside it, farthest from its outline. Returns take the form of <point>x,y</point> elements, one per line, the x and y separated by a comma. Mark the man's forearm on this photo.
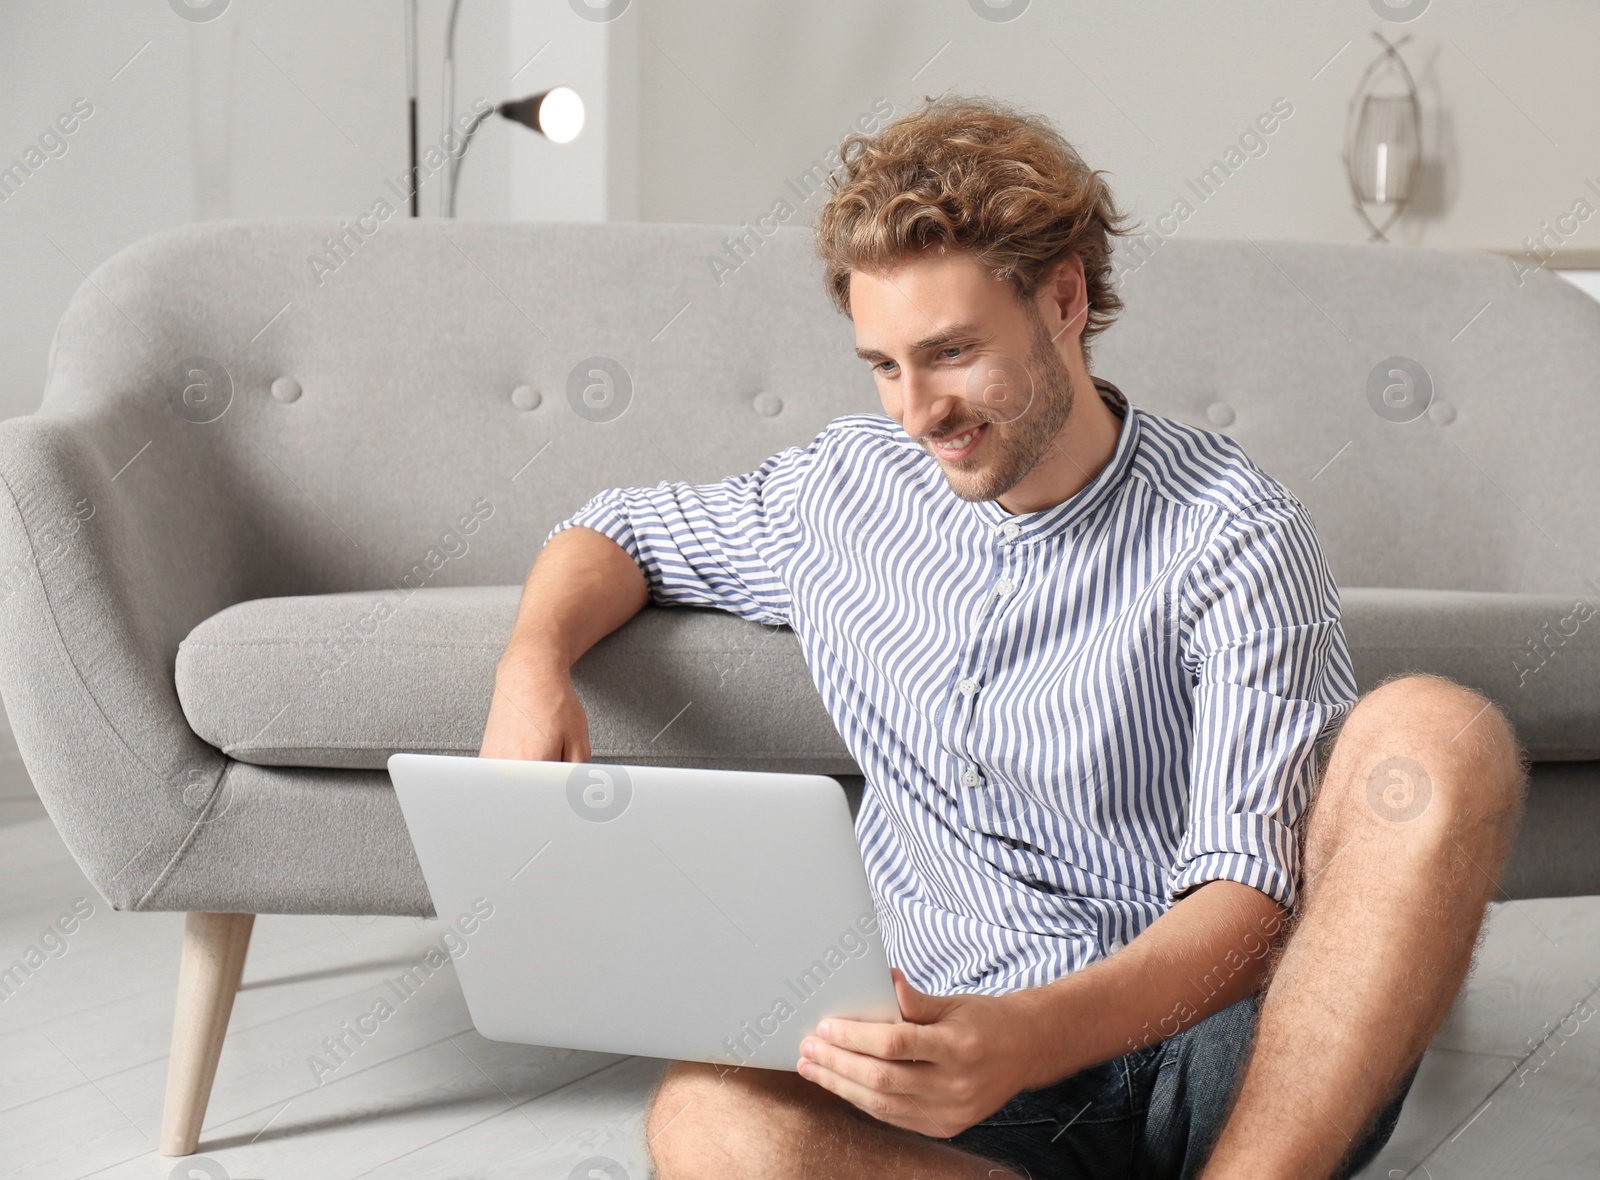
<point>582,587</point>
<point>1209,950</point>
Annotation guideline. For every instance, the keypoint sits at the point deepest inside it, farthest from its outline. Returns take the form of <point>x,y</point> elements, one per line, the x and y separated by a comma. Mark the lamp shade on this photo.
<point>1383,159</point>
<point>557,114</point>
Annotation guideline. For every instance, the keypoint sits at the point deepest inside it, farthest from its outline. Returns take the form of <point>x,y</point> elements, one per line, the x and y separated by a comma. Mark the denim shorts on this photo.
<point>1152,1115</point>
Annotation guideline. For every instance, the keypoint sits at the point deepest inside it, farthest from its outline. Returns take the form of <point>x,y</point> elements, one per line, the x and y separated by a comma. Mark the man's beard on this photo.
<point>1022,442</point>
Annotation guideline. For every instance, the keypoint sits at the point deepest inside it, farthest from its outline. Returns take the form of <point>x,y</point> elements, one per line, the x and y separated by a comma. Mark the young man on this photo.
<point>1090,662</point>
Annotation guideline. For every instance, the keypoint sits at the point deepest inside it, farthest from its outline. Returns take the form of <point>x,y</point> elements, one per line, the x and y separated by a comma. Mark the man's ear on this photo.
<point>1064,297</point>
<point>1068,296</point>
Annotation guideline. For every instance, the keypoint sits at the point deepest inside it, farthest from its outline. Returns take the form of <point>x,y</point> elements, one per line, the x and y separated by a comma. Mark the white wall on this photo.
<point>740,95</point>
<point>705,109</point>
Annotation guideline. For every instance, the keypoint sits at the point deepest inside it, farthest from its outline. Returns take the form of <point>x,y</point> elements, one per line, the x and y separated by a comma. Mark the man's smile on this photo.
<point>953,448</point>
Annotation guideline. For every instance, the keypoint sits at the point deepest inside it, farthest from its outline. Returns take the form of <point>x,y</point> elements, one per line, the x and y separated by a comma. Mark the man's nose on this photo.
<point>927,399</point>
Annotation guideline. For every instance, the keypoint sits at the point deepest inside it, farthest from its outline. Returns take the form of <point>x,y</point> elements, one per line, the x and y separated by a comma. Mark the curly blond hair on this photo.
<point>978,175</point>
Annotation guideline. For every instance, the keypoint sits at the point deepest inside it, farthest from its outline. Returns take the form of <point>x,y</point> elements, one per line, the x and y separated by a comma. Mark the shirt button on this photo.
<point>1115,945</point>
<point>967,687</point>
<point>1004,587</point>
<point>969,777</point>
<point>1008,842</point>
<point>1011,530</point>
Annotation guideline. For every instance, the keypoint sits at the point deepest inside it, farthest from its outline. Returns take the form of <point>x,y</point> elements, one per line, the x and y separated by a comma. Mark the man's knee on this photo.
<point>1420,744</point>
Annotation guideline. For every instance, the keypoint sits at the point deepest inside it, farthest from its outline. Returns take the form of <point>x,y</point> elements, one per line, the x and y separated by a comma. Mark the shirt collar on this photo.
<point>1045,522</point>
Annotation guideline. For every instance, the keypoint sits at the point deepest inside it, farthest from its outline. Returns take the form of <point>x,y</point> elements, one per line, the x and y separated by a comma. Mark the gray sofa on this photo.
<point>269,523</point>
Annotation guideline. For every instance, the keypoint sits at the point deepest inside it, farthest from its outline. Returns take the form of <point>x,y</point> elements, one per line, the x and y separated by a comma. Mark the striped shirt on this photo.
<point>1066,718</point>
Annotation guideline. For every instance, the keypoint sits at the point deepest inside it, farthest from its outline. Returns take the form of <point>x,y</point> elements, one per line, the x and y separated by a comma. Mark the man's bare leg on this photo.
<point>1399,867</point>
<point>707,1122</point>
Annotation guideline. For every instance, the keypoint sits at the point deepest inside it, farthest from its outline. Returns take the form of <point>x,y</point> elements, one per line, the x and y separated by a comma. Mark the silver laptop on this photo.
<point>697,915</point>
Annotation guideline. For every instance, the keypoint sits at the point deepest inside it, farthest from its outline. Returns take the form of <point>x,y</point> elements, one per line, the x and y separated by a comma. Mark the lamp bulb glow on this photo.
<point>561,115</point>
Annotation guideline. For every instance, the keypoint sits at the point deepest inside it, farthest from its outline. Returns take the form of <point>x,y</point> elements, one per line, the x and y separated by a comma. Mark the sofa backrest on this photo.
<point>1305,354</point>
<point>419,403</point>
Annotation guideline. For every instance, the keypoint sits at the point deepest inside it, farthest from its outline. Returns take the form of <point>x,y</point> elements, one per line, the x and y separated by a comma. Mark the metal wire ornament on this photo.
<point>1383,139</point>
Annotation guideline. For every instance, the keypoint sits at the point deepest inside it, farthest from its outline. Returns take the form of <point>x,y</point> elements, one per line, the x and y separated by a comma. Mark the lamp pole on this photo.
<point>411,92</point>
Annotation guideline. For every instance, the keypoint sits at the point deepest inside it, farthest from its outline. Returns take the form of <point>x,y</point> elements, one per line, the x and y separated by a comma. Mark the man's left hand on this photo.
<point>951,1062</point>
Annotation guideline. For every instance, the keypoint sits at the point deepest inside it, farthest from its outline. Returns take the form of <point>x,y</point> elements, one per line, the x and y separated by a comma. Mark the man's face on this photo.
<point>964,366</point>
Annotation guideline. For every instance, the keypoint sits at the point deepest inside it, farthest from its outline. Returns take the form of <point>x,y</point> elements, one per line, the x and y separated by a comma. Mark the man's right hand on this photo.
<point>535,716</point>
<point>582,587</point>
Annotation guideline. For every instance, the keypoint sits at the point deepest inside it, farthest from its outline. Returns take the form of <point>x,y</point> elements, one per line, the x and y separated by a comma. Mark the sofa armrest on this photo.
<point>115,540</point>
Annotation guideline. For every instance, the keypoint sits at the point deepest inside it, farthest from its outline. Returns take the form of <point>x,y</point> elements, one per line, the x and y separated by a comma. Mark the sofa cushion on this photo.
<point>1535,655</point>
<point>345,680</point>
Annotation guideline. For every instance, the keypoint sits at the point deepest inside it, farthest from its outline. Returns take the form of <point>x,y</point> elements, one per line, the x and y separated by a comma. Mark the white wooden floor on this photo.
<point>1510,1088</point>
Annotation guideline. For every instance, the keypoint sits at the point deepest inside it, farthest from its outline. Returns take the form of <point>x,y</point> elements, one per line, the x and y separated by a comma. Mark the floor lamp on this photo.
<point>557,114</point>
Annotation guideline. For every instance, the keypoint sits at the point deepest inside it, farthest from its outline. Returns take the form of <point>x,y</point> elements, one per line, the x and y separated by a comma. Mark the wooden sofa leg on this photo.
<point>214,946</point>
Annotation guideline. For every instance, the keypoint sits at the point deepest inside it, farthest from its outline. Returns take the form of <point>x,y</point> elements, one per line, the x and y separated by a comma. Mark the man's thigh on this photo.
<point>709,1121</point>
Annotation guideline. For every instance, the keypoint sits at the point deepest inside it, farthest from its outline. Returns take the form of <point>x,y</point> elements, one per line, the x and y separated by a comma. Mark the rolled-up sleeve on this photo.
<point>1272,675</point>
<point>721,545</point>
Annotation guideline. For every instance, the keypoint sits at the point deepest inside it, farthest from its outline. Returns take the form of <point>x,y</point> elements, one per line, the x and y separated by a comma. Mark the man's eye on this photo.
<point>950,353</point>
<point>885,366</point>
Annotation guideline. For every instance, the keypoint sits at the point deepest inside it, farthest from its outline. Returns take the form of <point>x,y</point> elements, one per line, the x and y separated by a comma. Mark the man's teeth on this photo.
<point>955,444</point>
